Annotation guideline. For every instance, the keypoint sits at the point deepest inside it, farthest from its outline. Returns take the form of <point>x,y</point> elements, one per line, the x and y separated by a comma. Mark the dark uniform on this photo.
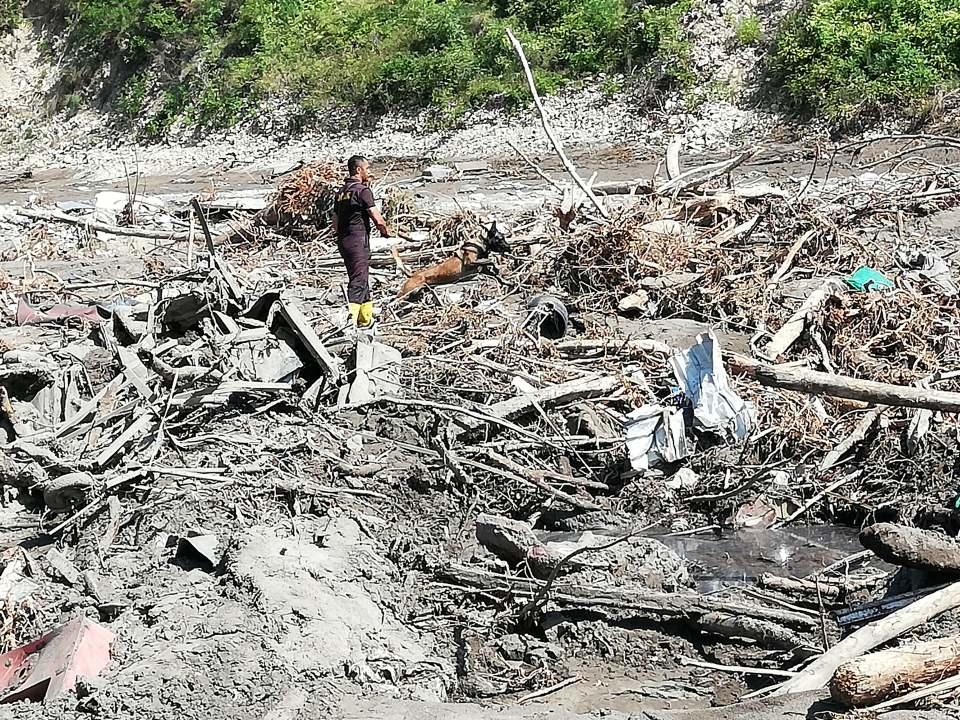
<point>353,202</point>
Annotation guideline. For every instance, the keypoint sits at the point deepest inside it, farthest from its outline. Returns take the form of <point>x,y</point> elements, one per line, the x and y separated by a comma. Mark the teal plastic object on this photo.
<point>865,279</point>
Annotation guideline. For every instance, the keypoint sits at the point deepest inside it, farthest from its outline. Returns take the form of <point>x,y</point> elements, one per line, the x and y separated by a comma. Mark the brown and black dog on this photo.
<point>464,263</point>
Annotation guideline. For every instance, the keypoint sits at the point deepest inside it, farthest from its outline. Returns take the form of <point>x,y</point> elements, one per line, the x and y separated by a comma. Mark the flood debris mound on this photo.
<point>496,494</point>
<point>303,202</point>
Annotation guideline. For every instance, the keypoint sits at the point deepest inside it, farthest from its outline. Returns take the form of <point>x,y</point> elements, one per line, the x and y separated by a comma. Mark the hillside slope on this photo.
<point>172,68</point>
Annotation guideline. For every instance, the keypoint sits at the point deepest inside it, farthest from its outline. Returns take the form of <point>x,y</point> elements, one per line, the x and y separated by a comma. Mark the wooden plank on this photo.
<point>232,285</point>
<point>89,407</point>
<point>220,394</point>
<point>136,372</point>
<point>137,429</point>
<point>113,526</point>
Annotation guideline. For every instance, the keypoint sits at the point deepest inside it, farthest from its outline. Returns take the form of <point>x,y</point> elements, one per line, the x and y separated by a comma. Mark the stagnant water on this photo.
<point>739,558</point>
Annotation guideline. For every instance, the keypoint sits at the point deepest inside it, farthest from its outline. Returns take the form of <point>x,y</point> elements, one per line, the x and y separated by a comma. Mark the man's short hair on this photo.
<point>354,163</point>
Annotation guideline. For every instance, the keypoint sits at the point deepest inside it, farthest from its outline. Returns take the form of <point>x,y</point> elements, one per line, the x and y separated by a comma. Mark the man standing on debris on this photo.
<point>353,212</point>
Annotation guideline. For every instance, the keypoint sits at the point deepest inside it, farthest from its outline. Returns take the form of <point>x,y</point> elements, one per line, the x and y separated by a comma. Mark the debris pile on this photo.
<point>304,201</point>
<point>511,465</point>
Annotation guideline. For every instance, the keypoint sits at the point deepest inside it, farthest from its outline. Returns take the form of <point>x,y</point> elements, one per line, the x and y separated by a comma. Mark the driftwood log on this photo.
<point>102,227</point>
<point>767,634</point>
<point>818,673</point>
<point>887,673</point>
<point>791,331</point>
<point>912,547</point>
<point>516,407</point>
<point>826,589</point>
<point>821,383</point>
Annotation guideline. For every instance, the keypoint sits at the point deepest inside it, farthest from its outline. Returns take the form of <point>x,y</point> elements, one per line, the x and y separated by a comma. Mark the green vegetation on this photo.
<point>748,30</point>
<point>209,62</point>
<point>854,59</point>
<point>212,59</point>
<point>10,15</point>
<point>659,35</point>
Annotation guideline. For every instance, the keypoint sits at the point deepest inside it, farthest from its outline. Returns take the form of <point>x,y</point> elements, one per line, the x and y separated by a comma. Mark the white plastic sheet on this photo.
<point>655,435</point>
<point>702,378</point>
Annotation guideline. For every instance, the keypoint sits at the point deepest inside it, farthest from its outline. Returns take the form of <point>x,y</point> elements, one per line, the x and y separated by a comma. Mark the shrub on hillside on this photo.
<point>10,15</point>
<point>215,56</point>
<point>656,33</point>
<point>853,58</point>
<point>748,30</point>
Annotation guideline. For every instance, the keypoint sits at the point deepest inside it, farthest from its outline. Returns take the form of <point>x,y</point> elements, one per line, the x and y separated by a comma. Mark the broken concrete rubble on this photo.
<point>204,547</point>
<point>375,372</point>
<point>511,540</point>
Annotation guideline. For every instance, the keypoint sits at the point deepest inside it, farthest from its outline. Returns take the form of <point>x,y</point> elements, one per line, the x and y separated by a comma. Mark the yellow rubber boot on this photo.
<point>354,312</point>
<point>365,316</point>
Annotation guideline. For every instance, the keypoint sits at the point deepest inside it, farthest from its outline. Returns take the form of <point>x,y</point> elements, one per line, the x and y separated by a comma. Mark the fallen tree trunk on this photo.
<point>647,602</point>
<point>818,673</point>
<point>826,589</point>
<point>887,673</point>
<point>912,547</point>
<point>821,383</point>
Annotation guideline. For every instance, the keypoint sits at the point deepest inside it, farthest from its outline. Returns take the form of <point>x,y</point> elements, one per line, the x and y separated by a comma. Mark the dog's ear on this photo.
<point>492,230</point>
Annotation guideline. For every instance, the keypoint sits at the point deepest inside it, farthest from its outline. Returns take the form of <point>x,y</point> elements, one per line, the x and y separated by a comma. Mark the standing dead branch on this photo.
<point>551,135</point>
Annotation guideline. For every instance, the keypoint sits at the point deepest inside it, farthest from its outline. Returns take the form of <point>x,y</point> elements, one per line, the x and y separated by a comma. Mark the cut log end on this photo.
<point>889,673</point>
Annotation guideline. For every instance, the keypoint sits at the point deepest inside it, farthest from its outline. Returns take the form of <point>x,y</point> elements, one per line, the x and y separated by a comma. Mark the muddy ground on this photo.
<point>326,600</point>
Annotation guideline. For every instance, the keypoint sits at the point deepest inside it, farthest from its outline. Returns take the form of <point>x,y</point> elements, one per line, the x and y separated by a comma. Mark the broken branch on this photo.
<point>818,673</point>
